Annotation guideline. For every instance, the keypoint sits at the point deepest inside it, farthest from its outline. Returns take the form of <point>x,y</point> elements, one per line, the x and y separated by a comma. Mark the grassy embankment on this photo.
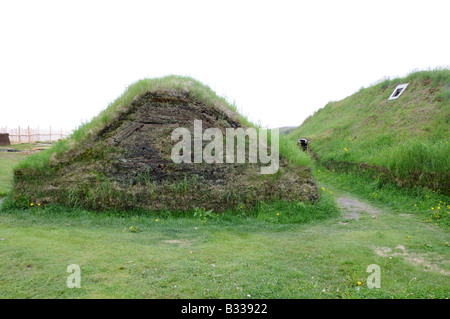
<point>405,141</point>
<point>8,160</point>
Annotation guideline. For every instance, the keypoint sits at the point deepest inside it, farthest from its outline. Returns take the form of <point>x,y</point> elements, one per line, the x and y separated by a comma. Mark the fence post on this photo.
<point>50,133</point>
<point>19,134</point>
<point>28,131</point>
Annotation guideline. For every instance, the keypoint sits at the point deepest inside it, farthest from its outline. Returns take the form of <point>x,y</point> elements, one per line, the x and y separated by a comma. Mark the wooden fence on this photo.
<point>29,135</point>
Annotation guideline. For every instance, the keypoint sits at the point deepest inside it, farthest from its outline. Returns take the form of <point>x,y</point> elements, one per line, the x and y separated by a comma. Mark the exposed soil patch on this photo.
<point>178,242</point>
<point>415,259</point>
<point>352,208</point>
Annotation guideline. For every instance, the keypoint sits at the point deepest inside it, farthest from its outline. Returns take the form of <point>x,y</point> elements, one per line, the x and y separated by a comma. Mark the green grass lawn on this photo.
<point>10,159</point>
<point>7,161</point>
<point>223,258</point>
<point>245,255</point>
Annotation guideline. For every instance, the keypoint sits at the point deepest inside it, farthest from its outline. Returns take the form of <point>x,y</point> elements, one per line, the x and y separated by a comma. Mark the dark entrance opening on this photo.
<point>397,92</point>
<point>303,143</point>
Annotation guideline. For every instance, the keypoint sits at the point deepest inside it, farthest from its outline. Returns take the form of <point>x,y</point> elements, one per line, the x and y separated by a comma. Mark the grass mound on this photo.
<point>122,158</point>
<point>404,140</point>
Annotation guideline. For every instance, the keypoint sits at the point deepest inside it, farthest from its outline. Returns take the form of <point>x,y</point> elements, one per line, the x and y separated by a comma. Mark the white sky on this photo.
<point>62,62</point>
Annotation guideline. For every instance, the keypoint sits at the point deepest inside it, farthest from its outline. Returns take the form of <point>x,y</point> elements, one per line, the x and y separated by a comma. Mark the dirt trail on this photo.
<point>415,259</point>
<point>352,208</point>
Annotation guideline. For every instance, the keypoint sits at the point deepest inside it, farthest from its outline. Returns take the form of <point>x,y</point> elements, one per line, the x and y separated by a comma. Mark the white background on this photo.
<point>61,62</point>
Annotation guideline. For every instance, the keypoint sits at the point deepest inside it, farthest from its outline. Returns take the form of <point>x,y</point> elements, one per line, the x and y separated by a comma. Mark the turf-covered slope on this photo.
<point>122,158</point>
<point>406,140</point>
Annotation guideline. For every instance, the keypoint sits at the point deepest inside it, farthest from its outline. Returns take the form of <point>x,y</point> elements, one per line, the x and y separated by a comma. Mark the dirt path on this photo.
<point>416,259</point>
<point>352,208</point>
